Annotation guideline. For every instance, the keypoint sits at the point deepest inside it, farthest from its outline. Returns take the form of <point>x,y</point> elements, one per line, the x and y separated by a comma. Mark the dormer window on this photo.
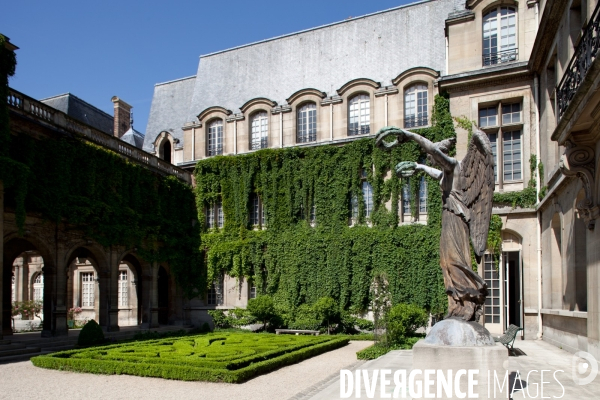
<point>500,36</point>
<point>259,131</point>
<point>214,139</point>
<point>359,115</point>
<point>307,123</point>
<point>415,106</point>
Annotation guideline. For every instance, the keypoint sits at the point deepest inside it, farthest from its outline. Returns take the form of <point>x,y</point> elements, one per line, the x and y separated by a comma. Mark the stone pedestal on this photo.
<point>469,352</point>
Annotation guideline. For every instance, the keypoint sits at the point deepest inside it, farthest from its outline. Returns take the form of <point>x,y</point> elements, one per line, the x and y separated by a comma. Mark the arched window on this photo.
<point>500,36</point>
<point>307,123</point>
<point>166,151</point>
<point>259,131</point>
<point>359,115</point>
<point>214,139</point>
<point>415,106</point>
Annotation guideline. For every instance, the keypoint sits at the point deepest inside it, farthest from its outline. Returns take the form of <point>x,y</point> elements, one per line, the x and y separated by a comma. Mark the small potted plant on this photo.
<point>71,316</point>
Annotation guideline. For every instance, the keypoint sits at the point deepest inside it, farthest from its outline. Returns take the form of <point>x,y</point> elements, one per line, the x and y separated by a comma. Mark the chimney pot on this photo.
<point>122,116</point>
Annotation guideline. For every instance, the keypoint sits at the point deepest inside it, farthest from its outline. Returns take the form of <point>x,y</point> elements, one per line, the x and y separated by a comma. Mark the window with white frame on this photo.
<point>359,115</point>
<point>252,294</point>
<point>214,217</point>
<point>214,297</point>
<point>415,106</point>
<point>307,123</point>
<point>123,295</point>
<point>38,288</point>
<point>367,198</point>
<point>504,133</point>
<point>13,289</point>
<point>492,301</point>
<point>406,198</point>
<point>259,134</point>
<point>423,195</point>
<point>88,284</point>
<point>214,140</point>
<point>500,36</point>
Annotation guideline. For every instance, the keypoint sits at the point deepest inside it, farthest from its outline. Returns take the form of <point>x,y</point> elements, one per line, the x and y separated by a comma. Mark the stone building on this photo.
<point>512,67</point>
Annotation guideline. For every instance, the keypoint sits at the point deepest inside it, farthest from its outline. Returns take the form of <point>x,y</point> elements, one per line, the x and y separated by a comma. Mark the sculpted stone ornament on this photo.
<point>467,195</point>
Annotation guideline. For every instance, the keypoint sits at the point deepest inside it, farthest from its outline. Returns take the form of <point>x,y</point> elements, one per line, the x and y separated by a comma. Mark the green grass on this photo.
<point>215,357</point>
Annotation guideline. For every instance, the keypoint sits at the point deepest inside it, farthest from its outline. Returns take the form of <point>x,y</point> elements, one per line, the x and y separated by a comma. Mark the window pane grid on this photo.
<point>359,115</point>
<point>505,20</point>
<point>512,155</point>
<point>415,106</point>
<point>494,142</point>
<point>511,113</point>
<point>255,210</point>
<point>423,195</point>
<point>122,294</point>
<point>307,123</point>
<point>492,302</point>
<point>367,192</point>
<point>87,289</point>
<point>488,116</point>
<point>406,198</point>
<point>220,216</point>
<point>259,134</point>
<point>215,138</point>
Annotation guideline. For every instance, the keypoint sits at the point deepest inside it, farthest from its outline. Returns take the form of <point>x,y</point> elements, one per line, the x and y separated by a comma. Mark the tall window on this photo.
<point>359,115</point>
<point>13,291</point>
<point>415,106</point>
<point>423,195</point>
<point>123,297</point>
<point>500,36</point>
<point>367,192</point>
<point>214,217</point>
<point>38,288</point>
<point>492,302</point>
<point>252,294</point>
<point>87,289</point>
<point>406,198</point>
<point>504,133</point>
<point>214,296</point>
<point>307,123</point>
<point>260,131</point>
<point>215,138</point>
<point>257,215</point>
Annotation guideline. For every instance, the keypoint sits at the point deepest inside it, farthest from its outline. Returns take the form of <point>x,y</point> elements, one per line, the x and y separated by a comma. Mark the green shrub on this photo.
<point>90,334</point>
<point>262,309</point>
<point>403,320</point>
<point>240,317</point>
<point>205,327</point>
<point>379,349</point>
<point>218,357</point>
<point>220,320</point>
<point>364,324</point>
<point>327,311</point>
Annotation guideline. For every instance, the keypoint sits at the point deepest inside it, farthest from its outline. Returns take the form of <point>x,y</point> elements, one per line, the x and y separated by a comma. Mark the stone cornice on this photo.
<point>331,100</point>
<point>485,77</point>
<point>386,90</point>
<point>209,110</point>
<point>415,71</point>
<point>303,92</point>
<point>358,82</point>
<point>257,100</point>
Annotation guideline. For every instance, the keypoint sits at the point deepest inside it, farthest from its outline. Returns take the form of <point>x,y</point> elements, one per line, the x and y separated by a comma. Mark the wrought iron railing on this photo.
<point>354,129</point>
<point>582,60</point>
<point>501,57</point>
<point>415,121</point>
<point>26,105</point>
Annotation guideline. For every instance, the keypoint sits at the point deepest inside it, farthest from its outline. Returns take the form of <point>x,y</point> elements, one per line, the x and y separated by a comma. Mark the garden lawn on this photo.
<point>215,357</point>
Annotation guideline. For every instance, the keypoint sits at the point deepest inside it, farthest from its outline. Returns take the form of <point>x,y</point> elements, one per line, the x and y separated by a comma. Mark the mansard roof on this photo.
<point>82,111</point>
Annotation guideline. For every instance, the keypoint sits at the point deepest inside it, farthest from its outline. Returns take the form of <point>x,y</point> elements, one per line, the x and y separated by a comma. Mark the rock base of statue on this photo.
<point>460,359</point>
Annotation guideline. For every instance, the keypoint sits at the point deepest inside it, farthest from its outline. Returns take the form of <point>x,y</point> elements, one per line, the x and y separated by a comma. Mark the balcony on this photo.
<point>501,57</point>
<point>580,64</point>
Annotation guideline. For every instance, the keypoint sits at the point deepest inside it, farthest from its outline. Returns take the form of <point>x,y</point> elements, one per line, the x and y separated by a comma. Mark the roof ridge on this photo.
<point>175,80</point>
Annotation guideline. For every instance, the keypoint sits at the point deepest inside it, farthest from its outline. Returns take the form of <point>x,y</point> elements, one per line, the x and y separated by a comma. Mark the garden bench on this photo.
<point>297,331</point>
<point>508,339</point>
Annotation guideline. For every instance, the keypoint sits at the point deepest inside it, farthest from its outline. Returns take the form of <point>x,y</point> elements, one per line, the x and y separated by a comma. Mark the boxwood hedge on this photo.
<point>214,357</point>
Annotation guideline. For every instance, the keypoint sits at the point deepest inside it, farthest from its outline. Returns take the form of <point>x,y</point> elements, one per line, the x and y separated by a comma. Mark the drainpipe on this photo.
<point>539,212</point>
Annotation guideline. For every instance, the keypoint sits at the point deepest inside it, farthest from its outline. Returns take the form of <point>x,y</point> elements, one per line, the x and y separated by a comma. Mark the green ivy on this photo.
<point>298,263</point>
<point>111,200</point>
<point>525,198</point>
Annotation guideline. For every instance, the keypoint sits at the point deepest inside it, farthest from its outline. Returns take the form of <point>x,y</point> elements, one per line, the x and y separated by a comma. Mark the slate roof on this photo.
<point>134,138</point>
<point>81,111</point>
<point>169,108</point>
<point>378,46</point>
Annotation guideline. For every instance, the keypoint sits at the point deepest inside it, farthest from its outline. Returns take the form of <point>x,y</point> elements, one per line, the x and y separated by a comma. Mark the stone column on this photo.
<point>113,287</point>
<point>24,280</point>
<point>154,297</point>
<point>60,309</point>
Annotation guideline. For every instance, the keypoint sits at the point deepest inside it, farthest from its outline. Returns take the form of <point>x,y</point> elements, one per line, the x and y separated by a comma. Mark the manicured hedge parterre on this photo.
<point>215,357</point>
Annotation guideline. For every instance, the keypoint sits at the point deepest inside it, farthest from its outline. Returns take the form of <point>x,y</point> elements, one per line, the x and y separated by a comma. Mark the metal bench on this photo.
<point>508,339</point>
<point>296,331</point>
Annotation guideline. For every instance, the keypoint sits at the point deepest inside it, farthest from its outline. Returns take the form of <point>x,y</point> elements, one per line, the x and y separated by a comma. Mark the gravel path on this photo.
<point>24,381</point>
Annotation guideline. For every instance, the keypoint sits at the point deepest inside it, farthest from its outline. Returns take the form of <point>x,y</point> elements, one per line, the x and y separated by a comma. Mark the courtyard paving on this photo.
<point>536,355</point>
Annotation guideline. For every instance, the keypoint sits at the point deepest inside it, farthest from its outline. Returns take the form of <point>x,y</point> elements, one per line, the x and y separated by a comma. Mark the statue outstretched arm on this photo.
<point>405,169</point>
<point>445,161</point>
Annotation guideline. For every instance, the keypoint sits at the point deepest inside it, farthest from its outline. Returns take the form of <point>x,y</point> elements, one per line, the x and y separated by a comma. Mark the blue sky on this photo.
<point>99,49</point>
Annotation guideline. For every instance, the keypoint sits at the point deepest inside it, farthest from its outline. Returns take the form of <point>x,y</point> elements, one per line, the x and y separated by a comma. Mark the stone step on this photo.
<point>4,342</point>
<point>19,351</point>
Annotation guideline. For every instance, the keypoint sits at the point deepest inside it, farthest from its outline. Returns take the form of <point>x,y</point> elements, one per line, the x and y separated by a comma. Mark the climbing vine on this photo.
<point>297,261</point>
<point>523,198</point>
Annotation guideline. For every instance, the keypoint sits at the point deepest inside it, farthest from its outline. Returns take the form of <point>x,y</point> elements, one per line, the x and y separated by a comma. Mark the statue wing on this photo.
<point>477,182</point>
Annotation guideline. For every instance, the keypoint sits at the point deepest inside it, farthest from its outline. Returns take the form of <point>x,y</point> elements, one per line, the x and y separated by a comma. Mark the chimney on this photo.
<point>122,117</point>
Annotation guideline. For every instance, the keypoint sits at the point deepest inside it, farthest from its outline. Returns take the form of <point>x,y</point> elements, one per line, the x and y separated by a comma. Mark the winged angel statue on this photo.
<point>467,190</point>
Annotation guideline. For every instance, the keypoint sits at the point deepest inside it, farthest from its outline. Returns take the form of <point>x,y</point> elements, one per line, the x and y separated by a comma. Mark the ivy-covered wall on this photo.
<point>297,262</point>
